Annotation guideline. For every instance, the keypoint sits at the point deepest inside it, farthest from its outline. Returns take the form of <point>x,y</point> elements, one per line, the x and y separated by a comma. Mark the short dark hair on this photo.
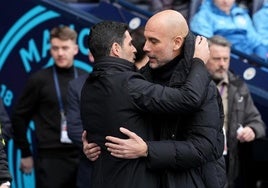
<point>138,40</point>
<point>63,33</point>
<point>102,36</point>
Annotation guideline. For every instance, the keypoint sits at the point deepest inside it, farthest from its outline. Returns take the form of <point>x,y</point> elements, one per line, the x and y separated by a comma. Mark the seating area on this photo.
<point>187,7</point>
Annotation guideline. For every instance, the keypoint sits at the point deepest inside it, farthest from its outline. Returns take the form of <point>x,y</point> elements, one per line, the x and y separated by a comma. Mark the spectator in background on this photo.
<point>138,40</point>
<point>7,131</point>
<point>5,177</point>
<point>183,6</point>
<point>158,5</point>
<point>260,20</point>
<point>242,122</point>
<point>43,100</point>
<point>225,18</point>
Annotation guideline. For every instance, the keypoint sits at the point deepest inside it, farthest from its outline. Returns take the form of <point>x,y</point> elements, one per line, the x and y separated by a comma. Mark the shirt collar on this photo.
<point>224,81</point>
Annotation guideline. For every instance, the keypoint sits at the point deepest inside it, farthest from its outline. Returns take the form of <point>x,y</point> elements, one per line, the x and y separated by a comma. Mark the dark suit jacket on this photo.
<point>75,128</point>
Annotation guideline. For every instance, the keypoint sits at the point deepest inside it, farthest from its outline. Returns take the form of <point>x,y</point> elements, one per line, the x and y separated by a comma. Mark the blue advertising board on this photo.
<point>24,49</point>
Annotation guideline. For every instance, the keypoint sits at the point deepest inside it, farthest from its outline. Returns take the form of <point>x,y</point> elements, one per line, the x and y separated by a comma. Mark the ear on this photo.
<point>178,41</point>
<point>90,57</point>
<point>115,50</point>
<point>76,49</point>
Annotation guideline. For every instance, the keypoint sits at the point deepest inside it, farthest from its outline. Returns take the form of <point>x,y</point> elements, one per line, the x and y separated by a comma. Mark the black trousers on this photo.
<point>54,172</point>
<point>84,173</point>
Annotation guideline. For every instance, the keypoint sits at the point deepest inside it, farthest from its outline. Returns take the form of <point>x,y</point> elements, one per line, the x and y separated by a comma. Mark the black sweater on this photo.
<point>39,102</point>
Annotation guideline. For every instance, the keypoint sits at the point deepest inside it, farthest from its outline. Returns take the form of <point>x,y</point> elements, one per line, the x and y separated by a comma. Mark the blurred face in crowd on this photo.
<point>219,61</point>
<point>224,5</point>
<point>63,52</point>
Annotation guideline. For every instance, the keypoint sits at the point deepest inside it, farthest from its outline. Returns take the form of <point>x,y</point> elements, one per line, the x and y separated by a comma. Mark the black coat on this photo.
<point>4,171</point>
<point>191,146</point>
<point>241,110</point>
<point>115,96</point>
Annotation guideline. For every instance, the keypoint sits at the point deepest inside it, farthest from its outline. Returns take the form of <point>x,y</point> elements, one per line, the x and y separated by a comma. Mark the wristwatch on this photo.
<point>6,184</point>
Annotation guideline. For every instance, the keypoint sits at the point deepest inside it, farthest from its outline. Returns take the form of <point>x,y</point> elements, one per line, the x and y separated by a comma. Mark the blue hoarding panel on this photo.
<point>24,49</point>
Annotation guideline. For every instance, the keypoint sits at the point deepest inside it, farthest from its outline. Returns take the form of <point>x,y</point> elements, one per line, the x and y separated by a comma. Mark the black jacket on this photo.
<point>115,96</point>
<point>4,173</point>
<point>5,122</point>
<point>192,144</point>
<point>241,110</point>
<point>39,102</point>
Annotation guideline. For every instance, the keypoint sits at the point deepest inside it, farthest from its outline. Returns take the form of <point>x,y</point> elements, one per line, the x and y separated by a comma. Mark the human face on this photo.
<point>219,61</point>
<point>224,5</point>
<point>63,52</point>
<point>159,46</point>
<point>127,49</point>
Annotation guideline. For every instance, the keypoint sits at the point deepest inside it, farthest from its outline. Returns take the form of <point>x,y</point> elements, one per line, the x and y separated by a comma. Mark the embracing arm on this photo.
<point>204,139</point>
<point>131,148</point>
<point>203,142</point>
<point>91,150</point>
<point>186,98</point>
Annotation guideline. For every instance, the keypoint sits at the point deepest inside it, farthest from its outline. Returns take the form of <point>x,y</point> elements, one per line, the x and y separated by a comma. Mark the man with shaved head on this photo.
<point>188,148</point>
<point>165,34</point>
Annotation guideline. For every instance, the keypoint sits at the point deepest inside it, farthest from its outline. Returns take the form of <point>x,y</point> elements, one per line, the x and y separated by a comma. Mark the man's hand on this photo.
<point>26,164</point>
<point>91,150</point>
<point>246,135</point>
<point>201,49</point>
<point>131,148</point>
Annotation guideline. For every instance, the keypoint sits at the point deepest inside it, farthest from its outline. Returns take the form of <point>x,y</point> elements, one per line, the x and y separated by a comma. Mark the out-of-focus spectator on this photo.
<point>183,6</point>
<point>7,132</point>
<point>158,5</point>
<point>5,177</point>
<point>246,4</point>
<point>242,122</point>
<point>225,18</point>
<point>260,19</point>
<point>138,40</point>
